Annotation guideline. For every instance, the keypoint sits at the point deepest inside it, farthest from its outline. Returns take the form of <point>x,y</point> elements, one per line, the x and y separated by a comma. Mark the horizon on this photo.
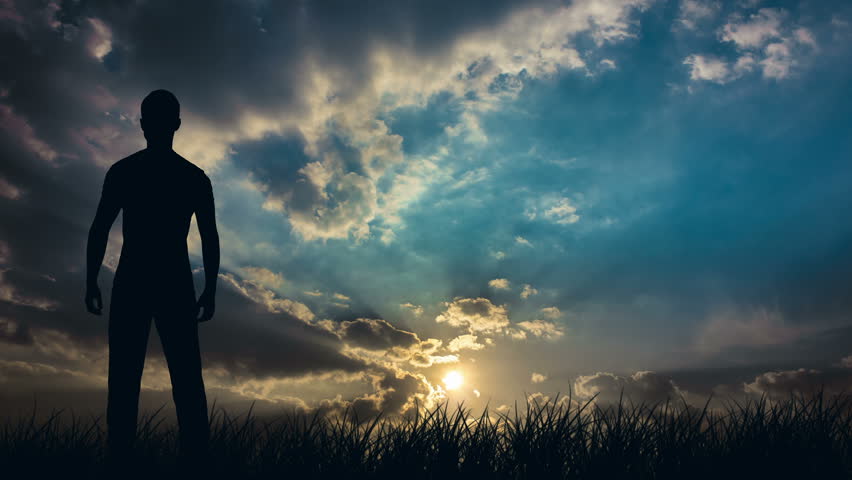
<point>481,205</point>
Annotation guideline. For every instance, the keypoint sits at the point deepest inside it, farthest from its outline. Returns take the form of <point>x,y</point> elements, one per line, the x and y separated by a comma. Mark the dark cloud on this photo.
<point>641,387</point>
<point>253,338</point>
<point>72,75</point>
<point>54,303</point>
<point>376,334</point>
<point>221,57</point>
<point>242,71</point>
<point>780,385</point>
<point>249,340</point>
<point>818,347</point>
<point>395,394</point>
<point>12,332</point>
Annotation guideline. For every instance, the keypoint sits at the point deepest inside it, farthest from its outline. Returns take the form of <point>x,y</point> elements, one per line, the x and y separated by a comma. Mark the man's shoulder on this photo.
<point>193,169</point>
<point>124,164</point>
<point>132,158</point>
<point>137,160</point>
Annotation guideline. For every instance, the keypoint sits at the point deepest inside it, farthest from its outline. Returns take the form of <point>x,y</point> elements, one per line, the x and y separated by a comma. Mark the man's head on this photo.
<point>160,117</point>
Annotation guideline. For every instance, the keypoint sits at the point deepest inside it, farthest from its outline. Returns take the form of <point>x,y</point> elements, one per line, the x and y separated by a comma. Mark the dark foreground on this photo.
<point>799,438</point>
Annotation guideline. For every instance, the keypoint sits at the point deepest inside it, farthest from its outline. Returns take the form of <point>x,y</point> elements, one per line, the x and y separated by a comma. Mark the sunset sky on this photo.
<point>475,201</point>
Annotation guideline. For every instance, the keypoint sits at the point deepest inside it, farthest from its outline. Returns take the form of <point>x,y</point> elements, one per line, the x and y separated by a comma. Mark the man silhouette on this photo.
<point>158,191</point>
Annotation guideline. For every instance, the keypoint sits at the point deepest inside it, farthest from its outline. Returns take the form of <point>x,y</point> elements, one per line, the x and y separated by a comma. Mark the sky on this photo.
<point>421,202</point>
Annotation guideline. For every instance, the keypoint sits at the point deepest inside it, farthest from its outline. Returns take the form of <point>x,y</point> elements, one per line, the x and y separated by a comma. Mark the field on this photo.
<point>801,437</point>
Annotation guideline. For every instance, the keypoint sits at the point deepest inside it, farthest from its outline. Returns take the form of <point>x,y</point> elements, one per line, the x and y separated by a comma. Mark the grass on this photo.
<point>801,437</point>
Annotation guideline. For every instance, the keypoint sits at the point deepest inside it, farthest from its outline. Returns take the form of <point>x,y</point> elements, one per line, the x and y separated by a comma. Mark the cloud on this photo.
<point>481,317</point>
<point>12,332</point>
<point>395,394</point>
<point>423,355</point>
<point>9,13</point>
<point>378,342</point>
<point>333,200</point>
<point>528,291</point>
<point>387,236</point>
<point>803,381</point>
<point>344,173</point>
<point>805,37</point>
<point>767,40</point>
<point>779,60</point>
<point>551,312</point>
<point>756,328</point>
<point>417,310</point>
<point>419,360</point>
<point>12,294</point>
<point>838,21</point>
<point>477,315</point>
<point>499,284</point>
<point>543,329</point>
<point>285,341</point>
<point>20,129</point>
<point>29,376</point>
<point>472,131</point>
<point>516,334</point>
<point>464,342</point>
<point>99,41</point>
<point>554,208</point>
<point>692,12</point>
<point>328,202</point>
<point>709,68</point>
<point>640,387</point>
<point>73,366</point>
<point>8,190</point>
<point>522,241</point>
<point>607,64</point>
<point>563,212</point>
<point>540,399</point>
<point>263,276</point>
<point>77,373</point>
<point>538,377</point>
<point>273,303</point>
<point>756,30</point>
<point>329,93</point>
<point>745,64</point>
<point>376,334</point>
<point>286,352</point>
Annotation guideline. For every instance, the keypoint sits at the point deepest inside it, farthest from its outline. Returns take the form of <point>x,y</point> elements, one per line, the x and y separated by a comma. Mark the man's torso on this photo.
<point>158,194</point>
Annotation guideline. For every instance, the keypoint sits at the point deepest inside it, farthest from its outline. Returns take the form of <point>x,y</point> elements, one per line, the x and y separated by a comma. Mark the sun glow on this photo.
<point>453,380</point>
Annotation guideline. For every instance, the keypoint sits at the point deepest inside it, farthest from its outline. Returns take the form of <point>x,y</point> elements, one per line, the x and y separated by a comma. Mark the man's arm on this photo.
<point>205,216</point>
<point>108,209</point>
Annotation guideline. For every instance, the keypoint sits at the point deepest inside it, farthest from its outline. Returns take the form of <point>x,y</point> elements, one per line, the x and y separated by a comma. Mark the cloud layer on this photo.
<point>498,188</point>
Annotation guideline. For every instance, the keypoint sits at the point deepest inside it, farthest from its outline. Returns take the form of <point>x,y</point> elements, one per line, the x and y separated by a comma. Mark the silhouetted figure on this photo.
<point>159,191</point>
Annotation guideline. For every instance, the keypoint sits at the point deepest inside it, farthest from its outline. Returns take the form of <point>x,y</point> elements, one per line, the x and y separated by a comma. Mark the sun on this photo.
<point>453,380</point>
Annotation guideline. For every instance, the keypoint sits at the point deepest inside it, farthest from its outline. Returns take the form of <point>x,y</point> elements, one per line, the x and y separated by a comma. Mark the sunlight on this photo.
<point>453,380</point>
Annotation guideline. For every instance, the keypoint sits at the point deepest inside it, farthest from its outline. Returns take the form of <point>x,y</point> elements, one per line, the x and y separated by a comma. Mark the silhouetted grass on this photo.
<point>802,437</point>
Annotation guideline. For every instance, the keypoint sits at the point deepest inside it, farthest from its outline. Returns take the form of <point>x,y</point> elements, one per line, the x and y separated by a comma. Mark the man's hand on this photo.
<point>206,302</point>
<point>94,302</point>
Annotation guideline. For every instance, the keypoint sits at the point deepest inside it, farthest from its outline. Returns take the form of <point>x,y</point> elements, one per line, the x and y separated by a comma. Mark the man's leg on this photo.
<point>179,337</point>
<point>129,326</point>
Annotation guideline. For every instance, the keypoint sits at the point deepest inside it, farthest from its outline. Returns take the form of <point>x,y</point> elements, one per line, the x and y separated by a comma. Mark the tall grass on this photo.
<point>801,437</point>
